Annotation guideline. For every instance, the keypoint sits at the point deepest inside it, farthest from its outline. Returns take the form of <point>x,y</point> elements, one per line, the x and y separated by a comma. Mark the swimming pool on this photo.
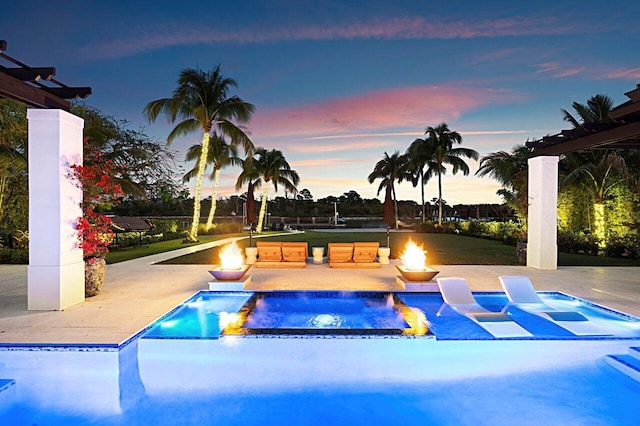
<point>216,378</point>
<point>318,313</point>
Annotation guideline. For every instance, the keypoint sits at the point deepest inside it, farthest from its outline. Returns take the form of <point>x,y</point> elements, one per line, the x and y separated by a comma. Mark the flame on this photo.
<point>414,257</point>
<point>231,257</point>
<point>229,319</point>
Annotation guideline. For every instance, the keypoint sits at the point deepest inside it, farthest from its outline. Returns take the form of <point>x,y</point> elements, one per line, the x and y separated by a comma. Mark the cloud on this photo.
<point>338,146</point>
<point>625,73</point>
<point>556,70</point>
<point>373,112</point>
<point>399,28</point>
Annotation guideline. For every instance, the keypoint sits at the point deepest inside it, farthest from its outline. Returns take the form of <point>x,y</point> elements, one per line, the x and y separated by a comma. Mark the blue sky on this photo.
<point>338,83</point>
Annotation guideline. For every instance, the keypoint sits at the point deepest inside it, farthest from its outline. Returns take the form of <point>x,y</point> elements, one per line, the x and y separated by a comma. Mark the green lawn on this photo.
<point>120,255</point>
<point>442,249</point>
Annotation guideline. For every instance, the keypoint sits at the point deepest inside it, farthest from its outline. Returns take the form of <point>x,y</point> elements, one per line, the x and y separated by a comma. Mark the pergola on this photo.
<point>622,131</point>
<point>56,267</point>
<point>27,85</point>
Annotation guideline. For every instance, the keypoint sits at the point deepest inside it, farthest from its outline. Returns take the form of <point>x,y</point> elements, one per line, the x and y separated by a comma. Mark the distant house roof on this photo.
<point>130,224</point>
<point>621,132</point>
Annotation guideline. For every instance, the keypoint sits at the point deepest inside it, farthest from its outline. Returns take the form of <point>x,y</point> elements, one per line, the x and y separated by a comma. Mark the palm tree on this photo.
<point>391,169</point>
<point>441,141</point>
<point>221,155</point>
<point>268,166</point>
<point>511,170</point>
<point>596,110</point>
<point>418,153</point>
<point>598,172</point>
<point>201,101</point>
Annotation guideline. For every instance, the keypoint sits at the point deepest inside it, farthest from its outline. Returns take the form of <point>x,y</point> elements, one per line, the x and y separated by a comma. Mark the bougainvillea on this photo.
<point>99,187</point>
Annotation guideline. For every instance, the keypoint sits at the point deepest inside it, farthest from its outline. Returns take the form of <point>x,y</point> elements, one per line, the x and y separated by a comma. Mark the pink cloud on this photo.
<point>557,70</point>
<point>405,107</point>
<point>625,73</point>
<point>337,146</point>
<point>548,67</point>
<point>400,28</point>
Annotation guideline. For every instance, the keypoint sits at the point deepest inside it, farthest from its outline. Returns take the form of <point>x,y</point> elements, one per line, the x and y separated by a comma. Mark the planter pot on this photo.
<point>95,269</point>
<point>251,254</point>
<point>383,255</point>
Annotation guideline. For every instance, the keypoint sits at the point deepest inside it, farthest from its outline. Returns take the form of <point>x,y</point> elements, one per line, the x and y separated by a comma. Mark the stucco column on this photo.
<point>56,268</point>
<point>542,240</point>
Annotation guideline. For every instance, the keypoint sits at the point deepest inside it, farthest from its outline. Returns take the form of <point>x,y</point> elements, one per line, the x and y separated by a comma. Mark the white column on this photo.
<point>56,268</point>
<point>542,240</point>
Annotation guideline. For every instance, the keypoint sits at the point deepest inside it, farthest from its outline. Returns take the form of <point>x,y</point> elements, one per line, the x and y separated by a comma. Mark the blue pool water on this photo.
<point>184,371</point>
<point>314,313</point>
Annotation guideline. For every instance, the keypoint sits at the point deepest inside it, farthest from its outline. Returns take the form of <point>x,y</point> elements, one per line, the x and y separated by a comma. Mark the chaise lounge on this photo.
<point>521,294</point>
<point>275,254</point>
<point>457,295</point>
<point>353,255</point>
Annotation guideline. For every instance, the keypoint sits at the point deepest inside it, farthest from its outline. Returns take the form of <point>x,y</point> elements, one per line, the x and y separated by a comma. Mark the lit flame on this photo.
<point>231,257</point>
<point>229,319</point>
<point>414,257</point>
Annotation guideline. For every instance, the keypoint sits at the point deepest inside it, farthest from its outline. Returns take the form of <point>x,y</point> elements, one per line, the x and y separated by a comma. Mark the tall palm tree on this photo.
<point>596,110</point>
<point>442,152</point>
<point>202,101</point>
<point>272,168</point>
<point>511,170</point>
<point>221,155</point>
<point>418,153</point>
<point>392,168</point>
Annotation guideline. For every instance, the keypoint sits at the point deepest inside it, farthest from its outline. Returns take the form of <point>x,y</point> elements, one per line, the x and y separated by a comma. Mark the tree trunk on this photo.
<point>422,188</point>
<point>395,203</point>
<point>202,164</point>
<point>439,199</point>
<point>263,209</point>
<point>214,199</point>
<point>599,223</point>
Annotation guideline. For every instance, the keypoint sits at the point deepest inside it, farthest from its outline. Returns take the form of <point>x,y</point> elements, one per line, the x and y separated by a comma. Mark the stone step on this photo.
<point>634,351</point>
<point>626,364</point>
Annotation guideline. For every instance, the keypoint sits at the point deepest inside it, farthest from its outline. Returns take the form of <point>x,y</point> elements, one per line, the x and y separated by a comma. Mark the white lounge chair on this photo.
<point>456,294</point>
<point>521,293</point>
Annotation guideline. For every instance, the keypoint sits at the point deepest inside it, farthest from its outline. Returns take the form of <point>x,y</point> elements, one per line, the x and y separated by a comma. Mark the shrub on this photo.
<point>13,256</point>
<point>221,228</point>
<point>165,226</point>
<point>626,246</point>
<point>578,242</point>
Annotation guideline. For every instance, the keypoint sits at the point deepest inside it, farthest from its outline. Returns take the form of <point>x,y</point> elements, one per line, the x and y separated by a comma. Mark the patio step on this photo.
<point>628,365</point>
<point>635,351</point>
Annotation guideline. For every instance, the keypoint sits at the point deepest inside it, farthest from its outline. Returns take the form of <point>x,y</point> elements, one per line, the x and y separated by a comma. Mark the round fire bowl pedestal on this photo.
<point>426,274</point>
<point>229,274</point>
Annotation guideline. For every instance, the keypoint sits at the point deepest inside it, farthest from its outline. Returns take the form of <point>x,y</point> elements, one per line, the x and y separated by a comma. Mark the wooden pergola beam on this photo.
<point>30,74</point>
<point>13,88</point>
<point>625,135</point>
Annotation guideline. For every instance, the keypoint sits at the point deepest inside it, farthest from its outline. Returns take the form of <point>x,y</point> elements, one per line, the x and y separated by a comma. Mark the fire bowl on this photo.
<point>229,274</point>
<point>425,274</point>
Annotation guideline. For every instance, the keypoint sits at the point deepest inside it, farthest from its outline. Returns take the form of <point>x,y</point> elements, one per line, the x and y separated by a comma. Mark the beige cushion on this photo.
<point>294,252</point>
<point>365,252</point>
<point>269,251</point>
<point>340,252</point>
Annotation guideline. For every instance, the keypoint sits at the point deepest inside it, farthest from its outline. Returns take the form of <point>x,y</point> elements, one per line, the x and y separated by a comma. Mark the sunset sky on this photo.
<point>338,83</point>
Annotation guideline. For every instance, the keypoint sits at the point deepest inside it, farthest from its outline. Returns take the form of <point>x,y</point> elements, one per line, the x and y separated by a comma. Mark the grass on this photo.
<point>120,255</point>
<point>442,249</point>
